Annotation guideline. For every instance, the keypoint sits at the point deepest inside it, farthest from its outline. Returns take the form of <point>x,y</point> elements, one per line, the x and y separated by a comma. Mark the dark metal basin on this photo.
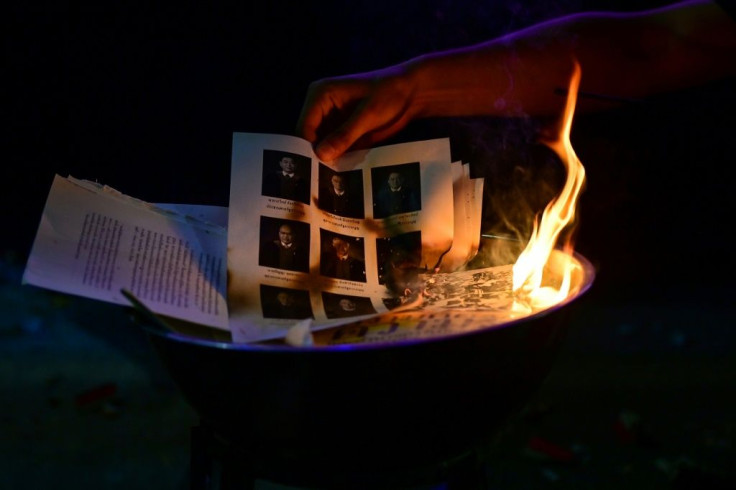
<point>367,407</point>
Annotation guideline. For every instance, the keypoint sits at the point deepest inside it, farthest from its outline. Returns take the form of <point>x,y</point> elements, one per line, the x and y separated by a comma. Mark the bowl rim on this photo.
<point>589,273</point>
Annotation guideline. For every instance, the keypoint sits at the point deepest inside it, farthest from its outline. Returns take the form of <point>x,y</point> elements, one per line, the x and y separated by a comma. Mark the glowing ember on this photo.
<point>532,288</point>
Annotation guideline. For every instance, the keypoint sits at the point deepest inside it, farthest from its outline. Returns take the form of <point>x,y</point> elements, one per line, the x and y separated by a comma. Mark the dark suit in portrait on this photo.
<point>348,268</point>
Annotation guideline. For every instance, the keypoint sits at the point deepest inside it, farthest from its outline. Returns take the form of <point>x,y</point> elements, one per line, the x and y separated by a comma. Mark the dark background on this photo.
<point>145,99</point>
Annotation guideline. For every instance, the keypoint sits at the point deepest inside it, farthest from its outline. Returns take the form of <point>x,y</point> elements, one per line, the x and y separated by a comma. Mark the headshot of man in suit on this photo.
<point>285,303</point>
<point>342,305</point>
<point>289,249</point>
<point>341,193</point>
<point>286,175</point>
<point>396,193</point>
<point>338,260</point>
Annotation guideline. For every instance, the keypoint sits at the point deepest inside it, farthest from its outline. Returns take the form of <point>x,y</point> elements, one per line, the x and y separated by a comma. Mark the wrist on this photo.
<point>417,78</point>
<point>456,83</point>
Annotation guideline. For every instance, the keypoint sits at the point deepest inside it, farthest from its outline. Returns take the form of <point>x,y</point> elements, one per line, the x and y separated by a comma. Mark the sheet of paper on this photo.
<point>466,237</point>
<point>329,240</point>
<point>362,230</point>
<point>94,241</point>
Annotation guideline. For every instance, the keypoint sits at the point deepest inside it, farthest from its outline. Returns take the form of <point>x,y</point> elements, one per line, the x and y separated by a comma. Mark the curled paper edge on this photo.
<point>300,334</point>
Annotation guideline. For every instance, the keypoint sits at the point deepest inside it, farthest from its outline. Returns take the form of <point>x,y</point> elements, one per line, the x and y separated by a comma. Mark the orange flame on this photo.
<point>528,285</point>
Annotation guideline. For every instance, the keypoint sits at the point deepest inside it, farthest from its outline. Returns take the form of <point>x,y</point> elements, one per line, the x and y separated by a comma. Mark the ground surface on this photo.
<point>641,396</point>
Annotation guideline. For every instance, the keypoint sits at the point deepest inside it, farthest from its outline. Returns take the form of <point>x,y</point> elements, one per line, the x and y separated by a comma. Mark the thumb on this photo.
<point>366,117</point>
<point>338,142</point>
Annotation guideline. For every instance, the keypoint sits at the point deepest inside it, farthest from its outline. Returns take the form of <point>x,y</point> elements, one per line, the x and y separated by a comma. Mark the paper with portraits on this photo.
<point>215,266</point>
<point>396,210</point>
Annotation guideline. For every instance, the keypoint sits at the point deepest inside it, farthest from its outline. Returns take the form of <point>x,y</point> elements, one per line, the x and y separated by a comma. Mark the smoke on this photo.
<point>521,175</point>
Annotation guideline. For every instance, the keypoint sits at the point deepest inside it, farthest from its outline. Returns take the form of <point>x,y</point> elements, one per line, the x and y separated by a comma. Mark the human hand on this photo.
<point>356,111</point>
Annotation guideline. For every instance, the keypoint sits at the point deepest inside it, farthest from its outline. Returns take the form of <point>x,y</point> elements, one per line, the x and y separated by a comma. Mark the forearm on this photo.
<point>621,55</point>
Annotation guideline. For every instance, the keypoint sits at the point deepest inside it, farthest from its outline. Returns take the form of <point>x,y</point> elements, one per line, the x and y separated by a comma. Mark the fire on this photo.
<point>532,288</point>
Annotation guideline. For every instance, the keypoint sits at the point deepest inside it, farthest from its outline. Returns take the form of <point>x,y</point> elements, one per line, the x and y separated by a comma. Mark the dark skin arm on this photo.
<point>625,55</point>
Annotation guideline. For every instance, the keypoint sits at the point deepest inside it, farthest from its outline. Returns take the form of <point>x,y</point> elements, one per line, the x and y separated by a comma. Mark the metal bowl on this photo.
<point>363,408</point>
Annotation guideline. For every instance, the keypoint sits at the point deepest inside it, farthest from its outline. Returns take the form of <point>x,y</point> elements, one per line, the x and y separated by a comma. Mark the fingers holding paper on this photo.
<point>355,111</point>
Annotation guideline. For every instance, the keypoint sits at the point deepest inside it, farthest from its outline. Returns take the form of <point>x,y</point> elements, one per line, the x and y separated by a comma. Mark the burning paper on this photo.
<point>379,241</point>
<point>333,241</point>
<point>541,277</point>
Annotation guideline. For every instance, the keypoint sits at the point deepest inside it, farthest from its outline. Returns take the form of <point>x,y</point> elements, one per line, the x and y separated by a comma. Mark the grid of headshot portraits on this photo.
<point>285,242</point>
